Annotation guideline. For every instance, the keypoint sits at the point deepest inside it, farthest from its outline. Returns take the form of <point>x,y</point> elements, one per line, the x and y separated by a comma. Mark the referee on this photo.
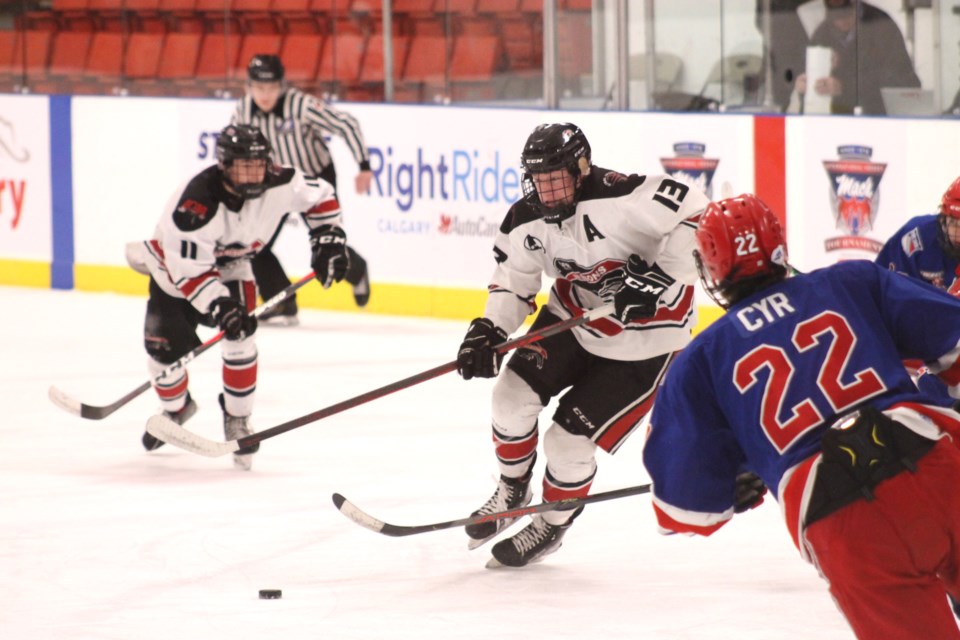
<point>295,123</point>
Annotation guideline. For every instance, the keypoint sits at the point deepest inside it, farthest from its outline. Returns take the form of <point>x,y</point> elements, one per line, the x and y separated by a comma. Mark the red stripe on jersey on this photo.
<point>792,497</point>
<point>190,285</point>
<point>942,418</point>
<point>951,375</point>
<point>670,524</point>
<point>326,206</point>
<point>609,326</point>
<point>240,378</point>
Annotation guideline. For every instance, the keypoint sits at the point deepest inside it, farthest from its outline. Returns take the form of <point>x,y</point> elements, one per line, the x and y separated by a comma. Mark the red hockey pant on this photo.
<point>891,561</point>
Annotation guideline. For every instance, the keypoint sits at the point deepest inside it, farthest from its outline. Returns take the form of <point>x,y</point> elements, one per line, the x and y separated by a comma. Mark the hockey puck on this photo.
<point>270,594</point>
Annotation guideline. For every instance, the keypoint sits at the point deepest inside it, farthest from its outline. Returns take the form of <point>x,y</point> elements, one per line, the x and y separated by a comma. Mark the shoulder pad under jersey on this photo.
<point>606,183</point>
<point>198,203</point>
<point>521,212</point>
<point>278,176</point>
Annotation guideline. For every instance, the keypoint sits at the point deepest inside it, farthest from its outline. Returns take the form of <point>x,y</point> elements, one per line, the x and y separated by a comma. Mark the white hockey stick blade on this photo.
<point>350,510</point>
<point>65,402</point>
<point>162,427</point>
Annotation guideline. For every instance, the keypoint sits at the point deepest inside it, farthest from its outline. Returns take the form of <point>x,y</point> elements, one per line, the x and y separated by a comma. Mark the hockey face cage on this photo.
<point>948,227</point>
<point>244,142</point>
<point>740,249</point>
<point>549,148</point>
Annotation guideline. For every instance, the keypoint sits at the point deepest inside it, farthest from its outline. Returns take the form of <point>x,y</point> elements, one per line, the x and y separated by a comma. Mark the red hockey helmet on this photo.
<point>741,248</point>
<point>949,220</point>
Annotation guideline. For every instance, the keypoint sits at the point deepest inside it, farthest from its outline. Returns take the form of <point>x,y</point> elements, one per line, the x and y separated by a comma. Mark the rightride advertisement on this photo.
<point>25,216</point>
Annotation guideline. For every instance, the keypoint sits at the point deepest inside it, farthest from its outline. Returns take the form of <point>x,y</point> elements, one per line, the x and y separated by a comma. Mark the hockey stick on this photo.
<point>167,430</point>
<point>367,521</point>
<point>96,412</point>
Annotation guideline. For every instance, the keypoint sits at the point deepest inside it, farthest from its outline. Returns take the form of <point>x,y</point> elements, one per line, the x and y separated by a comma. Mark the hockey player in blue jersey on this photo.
<point>800,388</point>
<point>927,248</point>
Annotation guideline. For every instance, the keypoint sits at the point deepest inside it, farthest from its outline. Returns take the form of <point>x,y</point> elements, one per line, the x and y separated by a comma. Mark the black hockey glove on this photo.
<point>642,288</point>
<point>329,260</point>
<point>477,357</point>
<point>232,318</point>
<point>750,492</point>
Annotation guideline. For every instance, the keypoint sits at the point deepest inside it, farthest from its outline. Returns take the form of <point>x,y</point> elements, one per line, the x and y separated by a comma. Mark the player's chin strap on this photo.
<point>169,431</point>
<point>95,412</point>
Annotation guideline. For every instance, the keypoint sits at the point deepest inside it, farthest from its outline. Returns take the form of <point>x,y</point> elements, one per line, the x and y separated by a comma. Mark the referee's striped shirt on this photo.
<point>295,128</point>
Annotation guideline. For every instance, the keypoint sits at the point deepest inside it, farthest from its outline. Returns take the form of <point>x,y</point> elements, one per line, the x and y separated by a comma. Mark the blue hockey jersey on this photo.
<point>757,389</point>
<point>915,250</point>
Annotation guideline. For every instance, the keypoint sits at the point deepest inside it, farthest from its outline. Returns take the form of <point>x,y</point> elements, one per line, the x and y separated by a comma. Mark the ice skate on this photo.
<point>151,443</point>
<point>534,542</point>
<point>361,291</point>
<point>511,493</point>
<point>234,428</point>
<point>283,315</point>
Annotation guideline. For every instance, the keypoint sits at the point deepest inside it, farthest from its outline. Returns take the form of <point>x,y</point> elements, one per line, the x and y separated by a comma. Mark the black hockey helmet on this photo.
<point>243,142</point>
<point>265,68</point>
<point>551,147</point>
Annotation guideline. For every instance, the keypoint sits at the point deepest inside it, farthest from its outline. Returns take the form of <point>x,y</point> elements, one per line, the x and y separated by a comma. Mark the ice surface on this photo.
<point>101,540</point>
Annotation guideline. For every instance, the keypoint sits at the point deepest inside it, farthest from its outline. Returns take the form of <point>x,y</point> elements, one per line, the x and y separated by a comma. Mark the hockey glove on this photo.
<point>642,288</point>
<point>232,318</point>
<point>478,357</point>
<point>750,492</point>
<point>329,259</point>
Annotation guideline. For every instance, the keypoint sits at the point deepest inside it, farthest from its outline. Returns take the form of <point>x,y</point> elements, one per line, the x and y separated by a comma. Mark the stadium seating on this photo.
<point>442,48</point>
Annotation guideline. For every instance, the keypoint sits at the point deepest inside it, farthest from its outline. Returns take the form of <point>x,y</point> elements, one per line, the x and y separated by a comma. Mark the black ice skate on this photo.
<point>150,443</point>
<point>361,291</point>
<point>234,428</point>
<point>534,542</point>
<point>282,315</point>
<point>511,493</point>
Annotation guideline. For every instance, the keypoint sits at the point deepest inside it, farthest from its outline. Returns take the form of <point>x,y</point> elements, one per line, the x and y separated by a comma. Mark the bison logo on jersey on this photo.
<point>611,178</point>
<point>190,215</point>
<point>532,243</point>
<point>602,278</point>
<point>235,251</point>
<point>534,353</point>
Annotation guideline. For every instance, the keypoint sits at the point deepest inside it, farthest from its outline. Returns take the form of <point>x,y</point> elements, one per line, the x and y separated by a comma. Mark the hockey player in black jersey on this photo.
<point>199,266</point>
<point>296,124</point>
<point>602,236</point>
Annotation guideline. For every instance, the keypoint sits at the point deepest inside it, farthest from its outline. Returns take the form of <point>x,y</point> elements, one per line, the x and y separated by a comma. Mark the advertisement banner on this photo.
<point>25,209</point>
<point>444,177</point>
<point>130,156</point>
<point>853,182</point>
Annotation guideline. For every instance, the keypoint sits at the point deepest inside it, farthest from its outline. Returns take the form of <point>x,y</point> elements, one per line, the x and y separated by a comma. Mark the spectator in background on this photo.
<point>787,46</point>
<point>869,53</point>
<point>295,123</point>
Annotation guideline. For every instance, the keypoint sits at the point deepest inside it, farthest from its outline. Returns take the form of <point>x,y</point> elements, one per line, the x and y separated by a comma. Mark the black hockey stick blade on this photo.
<point>167,430</point>
<point>367,521</point>
<point>98,412</point>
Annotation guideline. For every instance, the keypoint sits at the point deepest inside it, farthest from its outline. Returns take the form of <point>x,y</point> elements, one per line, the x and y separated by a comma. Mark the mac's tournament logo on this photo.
<point>854,198</point>
<point>690,167</point>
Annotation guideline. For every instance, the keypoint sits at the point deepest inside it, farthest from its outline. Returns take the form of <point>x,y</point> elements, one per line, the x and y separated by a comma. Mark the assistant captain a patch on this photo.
<point>911,242</point>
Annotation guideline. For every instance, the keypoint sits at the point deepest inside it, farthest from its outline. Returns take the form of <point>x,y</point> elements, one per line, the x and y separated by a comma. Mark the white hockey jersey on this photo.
<point>653,216</point>
<point>207,235</point>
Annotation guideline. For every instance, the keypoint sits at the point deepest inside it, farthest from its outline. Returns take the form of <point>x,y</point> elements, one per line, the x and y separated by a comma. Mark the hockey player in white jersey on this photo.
<point>603,237</point>
<point>200,273</point>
